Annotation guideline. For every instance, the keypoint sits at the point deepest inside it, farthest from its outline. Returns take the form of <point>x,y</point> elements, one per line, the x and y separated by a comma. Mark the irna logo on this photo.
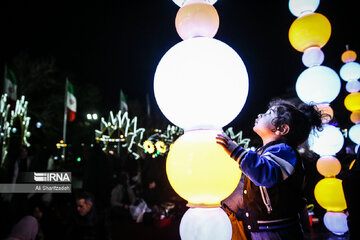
<point>52,177</point>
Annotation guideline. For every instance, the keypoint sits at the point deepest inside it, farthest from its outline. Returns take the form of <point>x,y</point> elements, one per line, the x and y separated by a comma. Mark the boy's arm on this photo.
<point>274,166</point>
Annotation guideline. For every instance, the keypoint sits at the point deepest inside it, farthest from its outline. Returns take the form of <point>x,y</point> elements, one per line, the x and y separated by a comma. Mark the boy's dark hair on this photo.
<point>301,120</point>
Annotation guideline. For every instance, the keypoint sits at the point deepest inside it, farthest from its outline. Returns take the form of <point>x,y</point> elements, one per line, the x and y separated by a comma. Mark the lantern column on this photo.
<point>193,84</point>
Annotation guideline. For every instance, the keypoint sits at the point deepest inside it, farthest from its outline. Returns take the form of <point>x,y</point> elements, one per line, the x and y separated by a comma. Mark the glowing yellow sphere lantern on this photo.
<point>328,166</point>
<point>329,194</point>
<point>348,56</point>
<point>197,20</point>
<point>199,169</point>
<point>311,30</point>
<point>352,102</point>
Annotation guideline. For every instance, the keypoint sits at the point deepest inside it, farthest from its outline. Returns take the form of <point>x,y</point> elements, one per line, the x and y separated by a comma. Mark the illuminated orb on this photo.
<point>354,133</point>
<point>328,166</point>
<point>195,79</point>
<point>326,142</point>
<point>350,71</point>
<point>352,86</point>
<point>326,111</point>
<point>313,56</point>
<point>319,84</point>
<point>181,3</point>
<point>205,224</point>
<point>311,30</point>
<point>352,102</point>
<point>199,169</point>
<point>329,194</point>
<point>197,20</point>
<point>161,147</point>
<point>336,222</point>
<point>148,147</point>
<point>355,117</point>
<point>348,56</point>
<point>301,7</point>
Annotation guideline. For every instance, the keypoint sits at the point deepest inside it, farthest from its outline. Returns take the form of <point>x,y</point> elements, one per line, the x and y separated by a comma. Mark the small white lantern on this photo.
<point>205,224</point>
<point>336,222</point>
<point>350,71</point>
<point>313,56</point>
<point>301,7</point>
<point>354,133</point>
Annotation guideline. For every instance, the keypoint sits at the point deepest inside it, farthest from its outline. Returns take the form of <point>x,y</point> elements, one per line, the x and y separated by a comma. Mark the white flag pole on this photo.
<point>65,120</point>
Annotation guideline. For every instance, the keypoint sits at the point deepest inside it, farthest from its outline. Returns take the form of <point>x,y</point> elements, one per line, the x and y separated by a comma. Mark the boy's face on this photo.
<point>263,123</point>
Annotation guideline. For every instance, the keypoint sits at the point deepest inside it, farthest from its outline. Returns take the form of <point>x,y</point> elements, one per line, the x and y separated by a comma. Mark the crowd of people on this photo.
<point>112,192</point>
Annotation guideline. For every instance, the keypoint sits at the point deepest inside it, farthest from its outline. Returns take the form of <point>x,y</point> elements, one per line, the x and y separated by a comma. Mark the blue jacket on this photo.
<point>272,186</point>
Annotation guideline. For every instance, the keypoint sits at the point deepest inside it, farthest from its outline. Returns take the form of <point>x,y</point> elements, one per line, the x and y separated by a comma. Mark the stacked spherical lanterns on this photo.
<point>328,191</point>
<point>320,85</point>
<point>350,72</point>
<point>193,82</point>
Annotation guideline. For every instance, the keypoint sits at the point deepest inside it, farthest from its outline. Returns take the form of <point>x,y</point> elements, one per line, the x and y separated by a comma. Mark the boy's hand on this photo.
<point>228,144</point>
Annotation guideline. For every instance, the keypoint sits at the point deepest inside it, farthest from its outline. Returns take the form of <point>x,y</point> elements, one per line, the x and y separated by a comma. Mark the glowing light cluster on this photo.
<point>121,129</point>
<point>13,122</point>
<point>158,144</point>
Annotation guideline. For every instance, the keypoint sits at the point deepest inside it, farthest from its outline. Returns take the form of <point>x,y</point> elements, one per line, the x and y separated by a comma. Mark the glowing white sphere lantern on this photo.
<point>196,79</point>
<point>205,224</point>
<point>313,56</point>
<point>354,133</point>
<point>301,7</point>
<point>318,84</point>
<point>326,142</point>
<point>350,71</point>
<point>352,86</point>
<point>336,222</point>
<point>181,3</point>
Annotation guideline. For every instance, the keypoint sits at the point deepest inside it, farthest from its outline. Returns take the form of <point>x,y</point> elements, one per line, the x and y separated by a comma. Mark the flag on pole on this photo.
<point>123,104</point>
<point>148,109</point>
<point>70,101</point>
<point>10,84</point>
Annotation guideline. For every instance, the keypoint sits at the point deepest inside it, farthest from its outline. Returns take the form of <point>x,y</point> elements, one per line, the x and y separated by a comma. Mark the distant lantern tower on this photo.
<point>350,72</point>
<point>193,82</point>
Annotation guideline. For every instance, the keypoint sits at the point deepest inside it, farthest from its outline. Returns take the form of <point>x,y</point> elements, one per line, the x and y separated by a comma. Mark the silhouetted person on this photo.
<point>88,223</point>
<point>122,196</point>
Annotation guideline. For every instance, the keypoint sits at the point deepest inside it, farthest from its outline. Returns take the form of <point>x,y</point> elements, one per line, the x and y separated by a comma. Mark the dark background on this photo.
<point>113,45</point>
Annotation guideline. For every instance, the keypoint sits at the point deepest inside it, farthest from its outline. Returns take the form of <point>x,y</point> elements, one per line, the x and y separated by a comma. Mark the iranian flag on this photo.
<point>10,84</point>
<point>123,104</point>
<point>70,102</point>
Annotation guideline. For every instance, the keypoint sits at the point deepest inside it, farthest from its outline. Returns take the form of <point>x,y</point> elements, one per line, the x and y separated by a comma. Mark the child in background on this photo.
<point>274,174</point>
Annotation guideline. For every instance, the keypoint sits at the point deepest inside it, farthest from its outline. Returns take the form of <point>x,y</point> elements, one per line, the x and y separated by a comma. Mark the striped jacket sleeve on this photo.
<point>275,165</point>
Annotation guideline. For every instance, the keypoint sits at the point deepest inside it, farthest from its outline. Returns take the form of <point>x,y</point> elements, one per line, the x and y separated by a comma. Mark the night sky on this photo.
<point>118,44</point>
